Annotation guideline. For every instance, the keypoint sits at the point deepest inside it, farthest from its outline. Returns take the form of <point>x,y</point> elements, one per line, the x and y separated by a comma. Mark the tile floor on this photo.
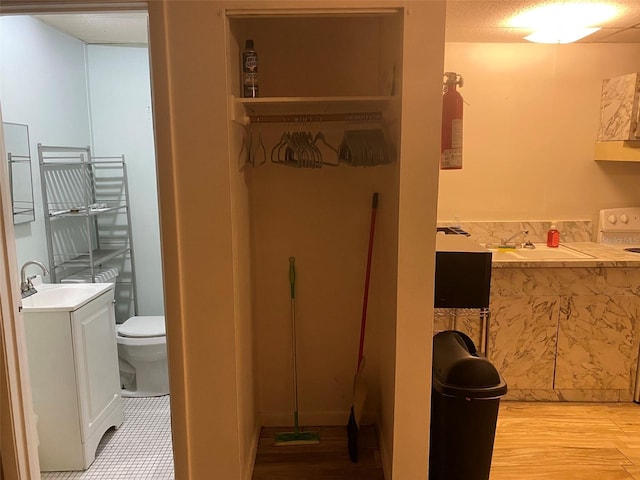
<point>139,450</point>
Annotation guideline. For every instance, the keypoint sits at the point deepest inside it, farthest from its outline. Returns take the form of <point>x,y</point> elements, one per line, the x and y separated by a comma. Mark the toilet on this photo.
<point>142,352</point>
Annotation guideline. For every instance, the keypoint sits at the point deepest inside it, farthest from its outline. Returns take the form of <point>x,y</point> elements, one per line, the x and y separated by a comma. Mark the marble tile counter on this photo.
<point>570,333</point>
<point>603,256</point>
<point>563,329</point>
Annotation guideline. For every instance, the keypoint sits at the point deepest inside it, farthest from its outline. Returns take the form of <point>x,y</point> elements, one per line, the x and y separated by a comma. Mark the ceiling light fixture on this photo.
<point>563,22</point>
<point>564,35</point>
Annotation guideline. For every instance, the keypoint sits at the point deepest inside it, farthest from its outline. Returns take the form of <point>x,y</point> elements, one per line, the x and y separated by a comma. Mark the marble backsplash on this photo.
<point>490,232</point>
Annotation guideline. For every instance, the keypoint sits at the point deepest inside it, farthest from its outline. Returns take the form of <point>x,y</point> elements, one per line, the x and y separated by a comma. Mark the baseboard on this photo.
<point>251,458</point>
<point>385,456</point>
<point>321,419</point>
<point>283,419</point>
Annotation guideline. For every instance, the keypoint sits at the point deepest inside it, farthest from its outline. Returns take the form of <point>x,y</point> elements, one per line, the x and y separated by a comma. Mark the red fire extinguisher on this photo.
<point>452,107</point>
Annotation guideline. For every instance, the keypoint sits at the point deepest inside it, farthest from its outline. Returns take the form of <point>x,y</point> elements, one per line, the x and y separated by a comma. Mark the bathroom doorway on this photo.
<point>78,80</point>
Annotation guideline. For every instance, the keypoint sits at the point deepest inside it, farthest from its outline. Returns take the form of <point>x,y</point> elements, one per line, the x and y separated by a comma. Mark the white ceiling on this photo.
<point>102,28</point>
<point>486,20</point>
<point>467,21</point>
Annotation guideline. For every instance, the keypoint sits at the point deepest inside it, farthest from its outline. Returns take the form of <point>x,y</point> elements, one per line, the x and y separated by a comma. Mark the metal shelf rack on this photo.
<point>472,321</point>
<point>87,221</point>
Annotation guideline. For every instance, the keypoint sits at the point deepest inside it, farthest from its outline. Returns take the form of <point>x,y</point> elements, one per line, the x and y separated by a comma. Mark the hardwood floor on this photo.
<point>534,441</point>
<point>567,441</point>
<point>328,460</point>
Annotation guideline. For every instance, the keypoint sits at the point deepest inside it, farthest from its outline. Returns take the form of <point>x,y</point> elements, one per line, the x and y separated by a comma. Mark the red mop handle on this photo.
<point>363,323</point>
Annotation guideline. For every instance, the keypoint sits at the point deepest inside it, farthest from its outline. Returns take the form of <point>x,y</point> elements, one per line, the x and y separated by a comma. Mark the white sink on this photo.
<point>541,252</point>
<point>63,297</point>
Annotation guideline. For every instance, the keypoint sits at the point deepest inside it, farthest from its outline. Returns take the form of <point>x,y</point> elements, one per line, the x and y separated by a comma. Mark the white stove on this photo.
<point>620,228</point>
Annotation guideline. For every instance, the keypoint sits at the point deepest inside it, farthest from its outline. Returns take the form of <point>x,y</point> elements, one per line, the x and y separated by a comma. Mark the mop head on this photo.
<point>297,438</point>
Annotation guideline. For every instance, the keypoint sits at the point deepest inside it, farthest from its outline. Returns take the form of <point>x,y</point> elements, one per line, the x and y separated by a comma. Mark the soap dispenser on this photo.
<point>553,237</point>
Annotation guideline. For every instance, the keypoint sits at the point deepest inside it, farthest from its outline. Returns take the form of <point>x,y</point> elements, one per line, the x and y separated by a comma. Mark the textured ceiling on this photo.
<point>486,21</point>
<point>467,21</point>
<point>103,28</point>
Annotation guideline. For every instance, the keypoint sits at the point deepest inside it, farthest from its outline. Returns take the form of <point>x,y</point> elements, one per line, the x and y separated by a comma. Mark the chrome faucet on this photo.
<point>505,241</point>
<point>26,287</point>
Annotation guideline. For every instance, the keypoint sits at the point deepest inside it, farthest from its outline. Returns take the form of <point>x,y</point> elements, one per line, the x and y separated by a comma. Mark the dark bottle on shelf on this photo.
<point>249,71</point>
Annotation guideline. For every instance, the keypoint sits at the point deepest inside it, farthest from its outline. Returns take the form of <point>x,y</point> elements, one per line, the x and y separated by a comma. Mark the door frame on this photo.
<point>18,434</point>
<point>18,439</point>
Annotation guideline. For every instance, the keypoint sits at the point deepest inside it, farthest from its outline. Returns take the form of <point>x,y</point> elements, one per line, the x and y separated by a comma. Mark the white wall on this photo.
<point>530,128</point>
<point>122,123</point>
<point>43,85</point>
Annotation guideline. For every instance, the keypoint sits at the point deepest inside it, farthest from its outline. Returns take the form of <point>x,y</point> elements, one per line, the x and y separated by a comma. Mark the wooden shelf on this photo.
<point>618,151</point>
<point>308,105</point>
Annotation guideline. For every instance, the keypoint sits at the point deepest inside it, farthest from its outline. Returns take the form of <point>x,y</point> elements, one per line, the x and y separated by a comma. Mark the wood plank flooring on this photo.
<point>328,460</point>
<point>567,441</point>
<point>534,441</point>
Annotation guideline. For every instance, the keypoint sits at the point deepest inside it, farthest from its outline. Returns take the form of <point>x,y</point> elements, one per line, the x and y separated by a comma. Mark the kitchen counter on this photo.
<point>566,329</point>
<point>560,329</point>
<point>603,257</point>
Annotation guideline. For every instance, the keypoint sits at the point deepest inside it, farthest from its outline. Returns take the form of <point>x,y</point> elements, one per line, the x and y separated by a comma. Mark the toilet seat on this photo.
<point>143,327</point>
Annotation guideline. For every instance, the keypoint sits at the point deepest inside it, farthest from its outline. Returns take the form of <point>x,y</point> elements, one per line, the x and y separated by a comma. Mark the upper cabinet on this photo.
<point>619,133</point>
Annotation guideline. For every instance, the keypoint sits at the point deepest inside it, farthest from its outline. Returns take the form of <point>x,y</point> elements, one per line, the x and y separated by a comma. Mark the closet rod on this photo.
<point>310,12</point>
<point>310,118</point>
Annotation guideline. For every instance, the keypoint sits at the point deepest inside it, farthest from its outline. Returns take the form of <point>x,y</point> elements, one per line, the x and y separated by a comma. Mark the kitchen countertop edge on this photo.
<point>604,256</point>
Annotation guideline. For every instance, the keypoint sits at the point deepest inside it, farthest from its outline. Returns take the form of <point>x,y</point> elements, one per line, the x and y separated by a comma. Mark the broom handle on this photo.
<point>363,323</point>
<point>292,283</point>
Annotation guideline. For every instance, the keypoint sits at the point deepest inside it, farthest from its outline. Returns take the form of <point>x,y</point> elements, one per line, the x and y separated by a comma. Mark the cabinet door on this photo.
<point>522,339</point>
<point>598,343</point>
<point>96,352</point>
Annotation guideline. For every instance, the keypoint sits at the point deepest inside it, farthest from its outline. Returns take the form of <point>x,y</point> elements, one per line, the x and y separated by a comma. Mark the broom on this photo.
<point>359,386</point>
<point>297,437</point>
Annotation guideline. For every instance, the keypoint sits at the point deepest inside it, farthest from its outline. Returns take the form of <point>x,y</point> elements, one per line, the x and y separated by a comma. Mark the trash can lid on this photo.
<point>460,371</point>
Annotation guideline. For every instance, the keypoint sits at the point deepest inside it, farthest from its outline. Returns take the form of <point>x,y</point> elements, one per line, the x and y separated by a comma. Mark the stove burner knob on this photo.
<point>624,218</point>
<point>612,219</point>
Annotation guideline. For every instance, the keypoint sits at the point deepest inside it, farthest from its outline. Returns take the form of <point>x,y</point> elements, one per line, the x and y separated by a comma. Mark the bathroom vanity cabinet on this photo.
<point>73,364</point>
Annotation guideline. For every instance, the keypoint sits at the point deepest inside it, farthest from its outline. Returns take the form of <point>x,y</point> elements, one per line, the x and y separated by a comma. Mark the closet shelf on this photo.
<point>309,105</point>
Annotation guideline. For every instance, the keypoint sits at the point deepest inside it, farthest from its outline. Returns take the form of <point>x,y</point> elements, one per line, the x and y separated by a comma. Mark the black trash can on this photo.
<point>465,397</point>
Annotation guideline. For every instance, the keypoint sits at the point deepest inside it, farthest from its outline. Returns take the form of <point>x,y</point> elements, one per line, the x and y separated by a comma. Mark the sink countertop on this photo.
<point>62,297</point>
<point>603,256</point>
